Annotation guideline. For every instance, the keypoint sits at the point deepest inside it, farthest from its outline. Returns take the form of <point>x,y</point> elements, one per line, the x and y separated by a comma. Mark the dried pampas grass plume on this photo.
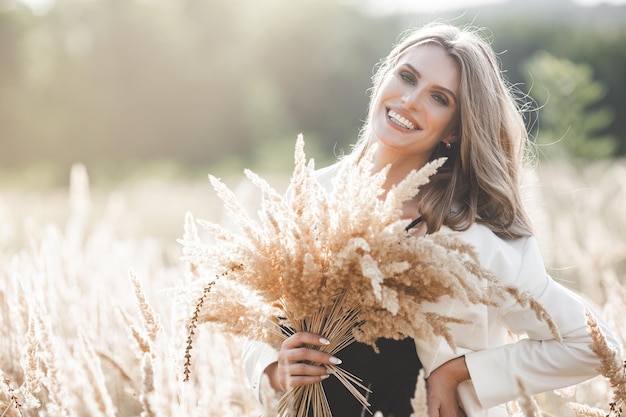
<point>14,402</point>
<point>419,402</point>
<point>191,327</point>
<point>31,366</point>
<point>151,321</point>
<point>524,299</point>
<point>102,399</point>
<point>611,365</point>
<point>337,262</point>
<point>583,410</point>
<point>526,402</point>
<point>147,379</point>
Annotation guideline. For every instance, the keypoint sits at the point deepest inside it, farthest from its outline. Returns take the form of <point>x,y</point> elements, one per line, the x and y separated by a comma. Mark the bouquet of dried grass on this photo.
<point>339,264</point>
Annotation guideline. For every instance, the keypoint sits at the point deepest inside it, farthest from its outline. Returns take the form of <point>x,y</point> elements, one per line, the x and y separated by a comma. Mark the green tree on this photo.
<point>570,122</point>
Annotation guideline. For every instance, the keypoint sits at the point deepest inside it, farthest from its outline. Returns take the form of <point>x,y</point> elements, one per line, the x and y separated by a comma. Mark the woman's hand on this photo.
<point>441,388</point>
<point>291,370</point>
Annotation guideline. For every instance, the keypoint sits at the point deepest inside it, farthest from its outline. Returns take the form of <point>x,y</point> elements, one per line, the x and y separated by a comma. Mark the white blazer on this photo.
<point>494,359</point>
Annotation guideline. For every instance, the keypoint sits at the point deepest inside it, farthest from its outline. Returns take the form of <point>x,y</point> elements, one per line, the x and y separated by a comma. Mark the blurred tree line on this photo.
<point>116,83</point>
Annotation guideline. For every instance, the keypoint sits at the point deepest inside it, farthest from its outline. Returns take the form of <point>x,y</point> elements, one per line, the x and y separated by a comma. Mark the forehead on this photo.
<point>433,64</point>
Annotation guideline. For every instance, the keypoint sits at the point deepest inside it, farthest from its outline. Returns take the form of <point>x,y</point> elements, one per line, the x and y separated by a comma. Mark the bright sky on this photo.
<point>388,6</point>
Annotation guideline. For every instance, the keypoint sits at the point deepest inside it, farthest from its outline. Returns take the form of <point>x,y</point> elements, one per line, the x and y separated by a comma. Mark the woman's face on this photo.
<point>417,104</point>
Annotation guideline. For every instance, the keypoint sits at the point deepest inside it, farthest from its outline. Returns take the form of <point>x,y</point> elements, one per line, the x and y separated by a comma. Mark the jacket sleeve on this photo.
<point>541,362</point>
<point>257,356</point>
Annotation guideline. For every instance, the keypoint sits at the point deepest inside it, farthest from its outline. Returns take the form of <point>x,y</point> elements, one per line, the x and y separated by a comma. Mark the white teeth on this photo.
<point>402,121</point>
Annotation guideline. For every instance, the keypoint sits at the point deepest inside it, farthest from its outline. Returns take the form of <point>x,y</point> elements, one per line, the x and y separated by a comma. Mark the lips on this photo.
<point>400,120</point>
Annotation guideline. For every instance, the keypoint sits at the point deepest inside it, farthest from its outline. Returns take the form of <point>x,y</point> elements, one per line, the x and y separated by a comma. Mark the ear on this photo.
<point>451,138</point>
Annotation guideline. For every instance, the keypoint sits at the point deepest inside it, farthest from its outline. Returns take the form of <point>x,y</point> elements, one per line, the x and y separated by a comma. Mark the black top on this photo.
<point>391,375</point>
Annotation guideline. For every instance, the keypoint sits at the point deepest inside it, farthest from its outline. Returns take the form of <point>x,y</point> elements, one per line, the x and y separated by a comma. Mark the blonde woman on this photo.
<point>440,92</point>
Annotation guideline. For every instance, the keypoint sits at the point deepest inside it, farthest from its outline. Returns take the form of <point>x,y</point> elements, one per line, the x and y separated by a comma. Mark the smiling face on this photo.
<point>417,105</point>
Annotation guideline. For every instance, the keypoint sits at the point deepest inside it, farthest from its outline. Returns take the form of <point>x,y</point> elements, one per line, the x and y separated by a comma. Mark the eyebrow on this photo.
<point>447,90</point>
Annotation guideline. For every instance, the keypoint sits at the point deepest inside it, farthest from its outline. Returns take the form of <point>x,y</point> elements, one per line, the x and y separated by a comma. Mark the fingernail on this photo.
<point>335,361</point>
<point>323,377</point>
<point>324,341</point>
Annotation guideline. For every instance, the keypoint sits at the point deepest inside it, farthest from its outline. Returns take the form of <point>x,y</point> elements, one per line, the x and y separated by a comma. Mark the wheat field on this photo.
<point>92,322</point>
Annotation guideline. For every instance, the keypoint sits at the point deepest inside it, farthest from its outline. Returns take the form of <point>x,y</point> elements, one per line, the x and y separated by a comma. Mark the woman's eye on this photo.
<point>441,99</point>
<point>407,77</point>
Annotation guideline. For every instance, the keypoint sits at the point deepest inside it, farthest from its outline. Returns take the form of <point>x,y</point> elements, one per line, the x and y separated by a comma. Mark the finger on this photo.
<point>448,410</point>
<point>305,369</point>
<point>298,373</point>
<point>433,403</point>
<point>433,411</point>
<point>296,381</point>
<point>302,338</point>
<point>310,355</point>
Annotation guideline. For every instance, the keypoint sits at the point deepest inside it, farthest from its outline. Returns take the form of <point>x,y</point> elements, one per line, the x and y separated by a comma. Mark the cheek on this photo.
<point>388,87</point>
<point>444,116</point>
<point>379,102</point>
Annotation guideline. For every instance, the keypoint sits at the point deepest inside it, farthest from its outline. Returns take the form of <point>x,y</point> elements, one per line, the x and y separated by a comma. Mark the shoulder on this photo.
<point>508,259</point>
<point>326,175</point>
<point>327,172</point>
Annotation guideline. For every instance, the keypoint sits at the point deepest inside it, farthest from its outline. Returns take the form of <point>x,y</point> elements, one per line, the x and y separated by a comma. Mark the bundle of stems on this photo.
<point>337,321</point>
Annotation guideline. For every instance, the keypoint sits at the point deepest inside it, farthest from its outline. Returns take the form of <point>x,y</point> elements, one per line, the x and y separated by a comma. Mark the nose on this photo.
<point>412,99</point>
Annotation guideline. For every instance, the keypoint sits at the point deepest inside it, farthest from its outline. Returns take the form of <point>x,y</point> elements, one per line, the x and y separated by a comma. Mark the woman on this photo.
<point>440,92</point>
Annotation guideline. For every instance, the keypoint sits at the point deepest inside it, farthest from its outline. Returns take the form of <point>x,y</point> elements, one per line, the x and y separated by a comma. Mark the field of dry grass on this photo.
<point>92,322</point>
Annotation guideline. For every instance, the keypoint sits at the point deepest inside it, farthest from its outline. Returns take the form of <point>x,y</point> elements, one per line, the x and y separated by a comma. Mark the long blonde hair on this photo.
<point>480,180</point>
